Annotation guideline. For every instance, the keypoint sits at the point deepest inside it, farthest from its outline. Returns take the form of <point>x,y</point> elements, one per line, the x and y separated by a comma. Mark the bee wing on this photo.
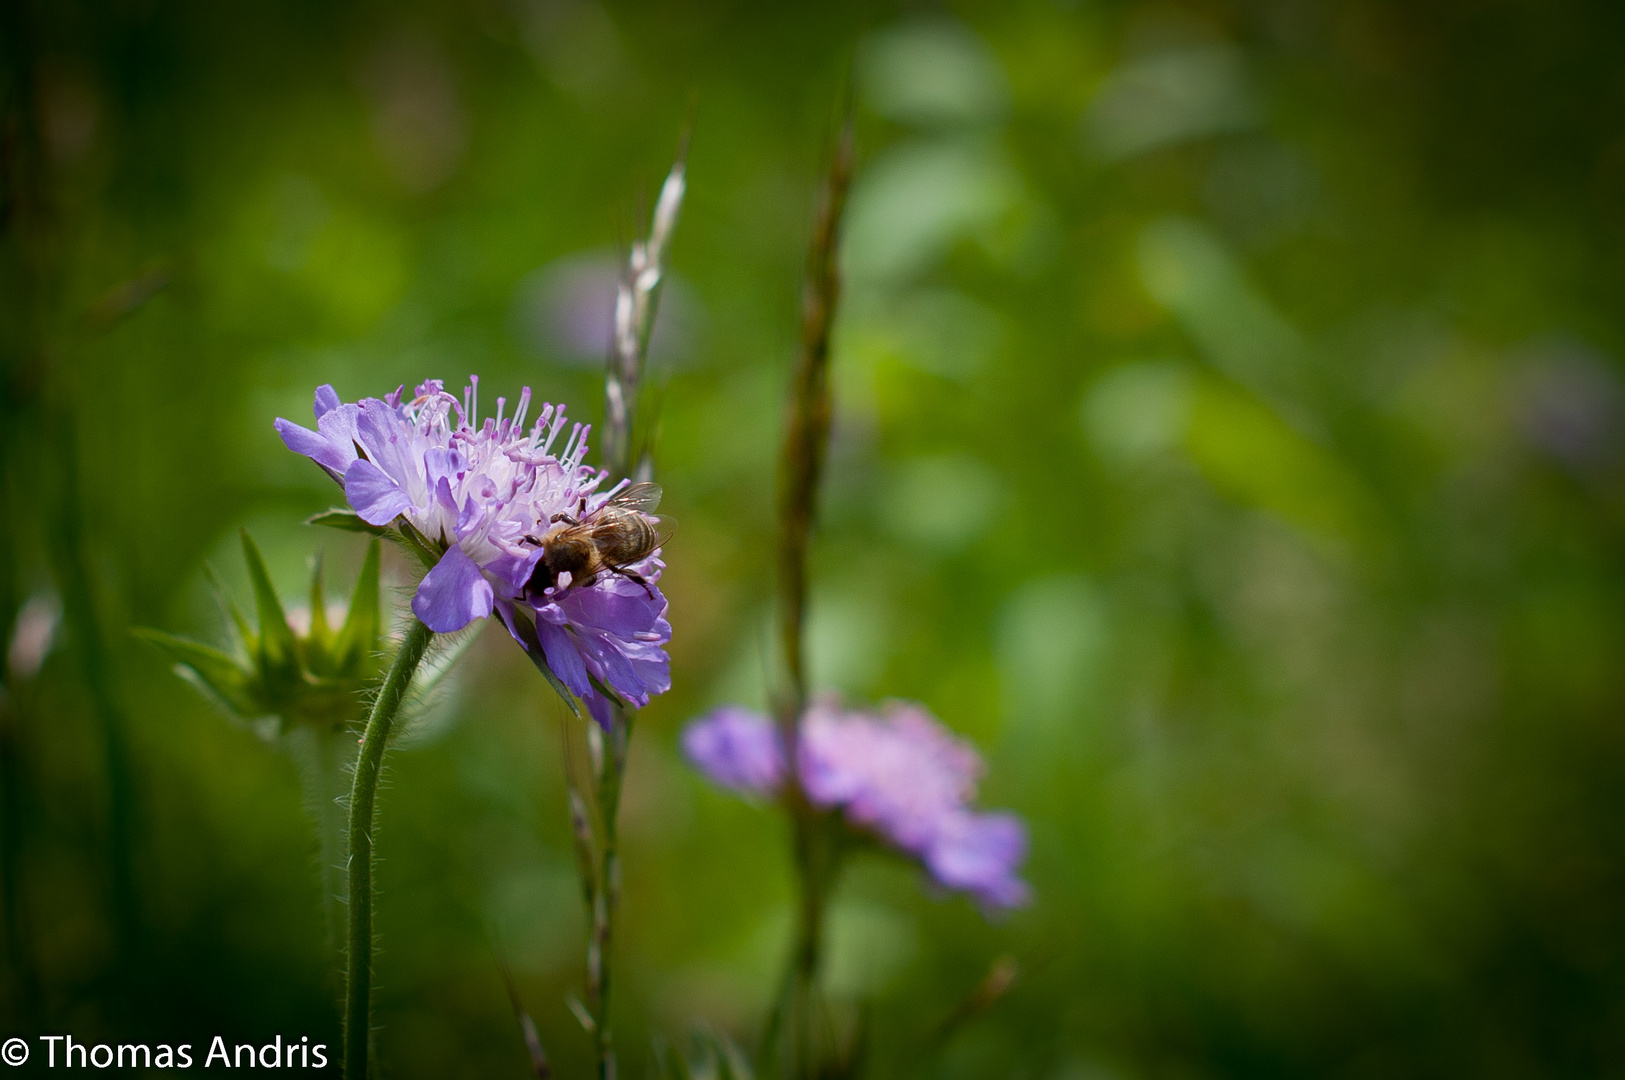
<point>616,531</point>
<point>640,497</point>
<point>664,527</point>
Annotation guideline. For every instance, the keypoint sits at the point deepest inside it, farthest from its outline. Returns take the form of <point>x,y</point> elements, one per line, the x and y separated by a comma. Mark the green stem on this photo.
<point>788,1046</point>
<point>358,1004</point>
<point>817,863</point>
<point>607,896</point>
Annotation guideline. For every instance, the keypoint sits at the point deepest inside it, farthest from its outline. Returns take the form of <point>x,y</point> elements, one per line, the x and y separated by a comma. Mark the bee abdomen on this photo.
<point>632,541</point>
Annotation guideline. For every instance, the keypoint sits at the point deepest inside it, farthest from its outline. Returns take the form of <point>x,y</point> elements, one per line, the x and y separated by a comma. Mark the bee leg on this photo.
<point>566,518</point>
<point>633,575</point>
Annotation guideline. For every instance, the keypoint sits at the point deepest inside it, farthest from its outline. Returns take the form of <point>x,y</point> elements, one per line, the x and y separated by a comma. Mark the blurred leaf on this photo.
<point>126,298</point>
<point>917,200</point>
<point>1190,272</point>
<point>1248,451</point>
<point>1168,97</point>
<point>1137,412</point>
<point>932,72</point>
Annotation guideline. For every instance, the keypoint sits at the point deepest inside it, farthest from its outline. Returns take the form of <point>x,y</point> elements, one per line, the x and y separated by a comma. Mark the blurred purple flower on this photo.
<point>1568,401</point>
<point>738,749</point>
<point>899,775</point>
<point>480,494</point>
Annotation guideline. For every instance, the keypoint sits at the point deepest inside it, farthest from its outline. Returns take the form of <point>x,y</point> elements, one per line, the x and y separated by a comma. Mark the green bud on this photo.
<point>301,675</point>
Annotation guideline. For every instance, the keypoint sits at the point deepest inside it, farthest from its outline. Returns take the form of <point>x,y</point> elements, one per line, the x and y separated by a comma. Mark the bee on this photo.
<point>606,541</point>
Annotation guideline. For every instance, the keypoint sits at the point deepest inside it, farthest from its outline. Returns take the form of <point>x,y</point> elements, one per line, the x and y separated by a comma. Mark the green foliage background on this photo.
<point>1228,440</point>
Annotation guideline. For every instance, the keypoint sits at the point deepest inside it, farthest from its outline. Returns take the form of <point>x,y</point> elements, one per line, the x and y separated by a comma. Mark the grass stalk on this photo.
<point>806,440</point>
<point>84,626</point>
<point>637,299</point>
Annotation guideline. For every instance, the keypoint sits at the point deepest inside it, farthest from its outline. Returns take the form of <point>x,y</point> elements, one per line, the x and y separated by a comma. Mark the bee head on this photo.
<point>541,579</point>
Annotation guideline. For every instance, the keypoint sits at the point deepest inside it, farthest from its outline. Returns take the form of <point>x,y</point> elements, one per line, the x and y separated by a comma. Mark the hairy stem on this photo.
<point>363,793</point>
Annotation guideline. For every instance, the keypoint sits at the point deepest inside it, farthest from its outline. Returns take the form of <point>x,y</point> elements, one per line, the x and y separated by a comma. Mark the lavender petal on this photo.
<point>373,495</point>
<point>737,749</point>
<point>453,594</point>
<point>562,657</point>
<point>327,399</point>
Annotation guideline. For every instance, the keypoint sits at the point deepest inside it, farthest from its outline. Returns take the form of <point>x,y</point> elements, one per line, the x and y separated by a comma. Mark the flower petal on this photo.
<point>624,614</point>
<point>302,440</point>
<point>514,570</point>
<point>736,748</point>
<point>655,674</point>
<point>979,853</point>
<point>453,594</point>
<point>378,430</point>
<point>327,399</point>
<point>375,497</point>
<point>606,660</point>
<point>505,612</point>
<point>601,709</point>
<point>563,658</point>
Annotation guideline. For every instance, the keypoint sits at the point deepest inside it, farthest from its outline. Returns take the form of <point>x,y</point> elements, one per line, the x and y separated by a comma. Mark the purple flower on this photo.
<point>738,749</point>
<point>486,497</point>
<point>899,775</point>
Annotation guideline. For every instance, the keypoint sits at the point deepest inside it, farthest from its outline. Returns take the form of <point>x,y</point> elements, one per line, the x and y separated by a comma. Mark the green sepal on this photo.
<point>319,643</point>
<point>223,675</point>
<point>347,520</point>
<point>327,703</point>
<point>357,642</point>
<point>246,637</point>
<point>278,648</point>
<point>428,554</point>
